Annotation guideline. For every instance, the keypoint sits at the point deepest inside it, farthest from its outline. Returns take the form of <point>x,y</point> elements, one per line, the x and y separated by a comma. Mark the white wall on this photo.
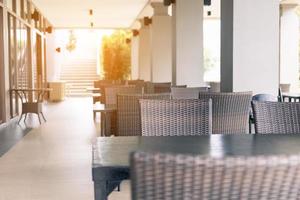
<point>254,62</point>
<point>189,42</point>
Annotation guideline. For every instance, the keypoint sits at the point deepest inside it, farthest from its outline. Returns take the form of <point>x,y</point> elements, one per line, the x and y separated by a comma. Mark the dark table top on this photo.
<point>115,151</point>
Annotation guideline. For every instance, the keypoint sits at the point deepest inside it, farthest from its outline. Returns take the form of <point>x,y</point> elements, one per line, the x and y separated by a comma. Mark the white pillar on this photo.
<point>145,52</point>
<point>188,65</point>
<point>135,55</point>
<point>53,57</point>
<point>161,32</point>
<point>289,47</point>
<point>250,46</point>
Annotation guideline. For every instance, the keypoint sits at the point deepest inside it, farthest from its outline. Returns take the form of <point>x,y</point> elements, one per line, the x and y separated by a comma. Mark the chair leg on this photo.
<point>39,118</point>
<point>20,118</point>
<point>43,116</point>
<point>25,117</point>
<point>250,123</point>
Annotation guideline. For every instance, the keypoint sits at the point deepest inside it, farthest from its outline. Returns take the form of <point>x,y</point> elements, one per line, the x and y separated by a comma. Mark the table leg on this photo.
<point>100,190</point>
<point>103,124</point>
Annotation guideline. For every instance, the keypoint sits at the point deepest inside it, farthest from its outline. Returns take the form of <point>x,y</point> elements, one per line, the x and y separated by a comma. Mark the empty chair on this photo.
<point>230,111</point>
<point>187,93</point>
<point>260,97</point>
<point>163,176</point>
<point>276,117</point>
<point>128,112</point>
<point>110,100</point>
<point>110,92</point>
<point>175,117</point>
<point>264,97</point>
<point>162,87</point>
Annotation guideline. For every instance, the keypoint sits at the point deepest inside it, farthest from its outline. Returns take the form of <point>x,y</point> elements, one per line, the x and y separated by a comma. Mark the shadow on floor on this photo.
<point>10,134</point>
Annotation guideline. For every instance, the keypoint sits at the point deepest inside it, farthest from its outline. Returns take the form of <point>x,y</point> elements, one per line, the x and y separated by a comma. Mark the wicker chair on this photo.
<point>260,97</point>
<point>162,87</point>
<point>187,93</point>
<point>230,111</point>
<point>176,117</point>
<point>148,87</point>
<point>110,92</point>
<point>276,117</point>
<point>128,112</point>
<point>110,99</point>
<point>163,176</point>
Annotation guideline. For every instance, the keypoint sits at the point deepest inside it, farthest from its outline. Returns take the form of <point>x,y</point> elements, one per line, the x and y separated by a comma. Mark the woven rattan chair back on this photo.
<point>164,176</point>
<point>110,92</point>
<point>176,117</point>
<point>187,93</point>
<point>276,117</point>
<point>128,112</point>
<point>230,111</point>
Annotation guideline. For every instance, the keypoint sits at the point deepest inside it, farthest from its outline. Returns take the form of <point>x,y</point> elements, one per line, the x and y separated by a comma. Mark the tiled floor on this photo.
<point>53,161</point>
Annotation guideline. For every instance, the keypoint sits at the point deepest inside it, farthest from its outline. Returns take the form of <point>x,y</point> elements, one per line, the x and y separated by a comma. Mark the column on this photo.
<point>135,55</point>
<point>53,57</point>
<point>289,46</point>
<point>250,46</point>
<point>188,64</point>
<point>145,52</point>
<point>161,33</point>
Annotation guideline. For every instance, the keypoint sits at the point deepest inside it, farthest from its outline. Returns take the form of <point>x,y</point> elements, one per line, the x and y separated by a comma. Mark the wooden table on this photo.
<point>106,116</point>
<point>31,101</point>
<point>111,154</point>
<point>291,97</point>
<point>96,94</point>
<point>93,89</point>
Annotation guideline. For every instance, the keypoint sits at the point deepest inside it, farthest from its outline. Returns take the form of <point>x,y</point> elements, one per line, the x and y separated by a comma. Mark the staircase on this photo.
<point>79,74</point>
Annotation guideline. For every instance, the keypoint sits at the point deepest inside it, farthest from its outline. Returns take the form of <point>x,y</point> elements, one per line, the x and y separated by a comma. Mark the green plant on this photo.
<point>116,55</point>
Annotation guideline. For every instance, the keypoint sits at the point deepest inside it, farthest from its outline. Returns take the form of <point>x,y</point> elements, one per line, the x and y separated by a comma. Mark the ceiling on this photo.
<point>106,13</point>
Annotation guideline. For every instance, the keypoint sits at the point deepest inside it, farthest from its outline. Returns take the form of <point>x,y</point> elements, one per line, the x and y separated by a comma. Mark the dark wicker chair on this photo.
<point>230,111</point>
<point>260,97</point>
<point>276,117</point>
<point>163,176</point>
<point>128,112</point>
<point>176,117</point>
<point>187,93</point>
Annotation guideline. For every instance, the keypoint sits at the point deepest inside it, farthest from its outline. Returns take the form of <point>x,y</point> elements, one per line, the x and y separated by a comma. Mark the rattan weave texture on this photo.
<point>128,112</point>
<point>230,111</point>
<point>276,117</point>
<point>169,177</point>
<point>176,117</point>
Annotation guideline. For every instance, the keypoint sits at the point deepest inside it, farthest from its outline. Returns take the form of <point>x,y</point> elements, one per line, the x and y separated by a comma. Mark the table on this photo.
<point>111,154</point>
<point>291,97</point>
<point>107,112</point>
<point>93,89</point>
<point>32,99</point>
<point>96,94</point>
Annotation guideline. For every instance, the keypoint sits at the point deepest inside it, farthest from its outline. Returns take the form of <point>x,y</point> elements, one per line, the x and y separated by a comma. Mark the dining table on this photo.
<point>111,155</point>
